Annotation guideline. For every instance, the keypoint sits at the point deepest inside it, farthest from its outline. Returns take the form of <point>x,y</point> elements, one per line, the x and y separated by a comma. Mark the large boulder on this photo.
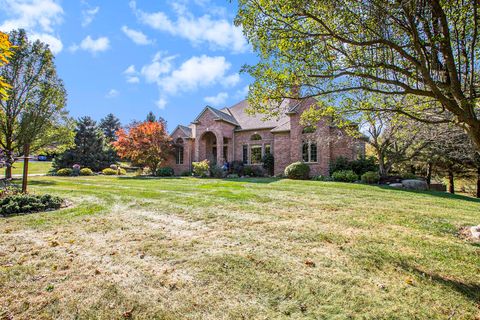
<point>413,184</point>
<point>396,185</point>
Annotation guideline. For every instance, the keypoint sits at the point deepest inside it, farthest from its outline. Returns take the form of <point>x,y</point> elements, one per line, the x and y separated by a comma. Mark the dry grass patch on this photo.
<point>253,249</point>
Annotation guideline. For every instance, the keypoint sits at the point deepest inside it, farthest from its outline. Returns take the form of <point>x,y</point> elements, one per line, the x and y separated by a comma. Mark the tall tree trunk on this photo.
<point>451,183</point>
<point>8,162</point>
<point>429,172</point>
<point>478,182</point>
<point>26,153</point>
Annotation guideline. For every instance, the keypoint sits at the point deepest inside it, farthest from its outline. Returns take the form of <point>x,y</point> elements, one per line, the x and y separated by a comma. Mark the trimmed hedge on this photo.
<point>345,176</point>
<point>165,172</point>
<point>112,172</point>
<point>28,203</point>
<point>86,172</point>
<point>65,172</point>
<point>297,171</point>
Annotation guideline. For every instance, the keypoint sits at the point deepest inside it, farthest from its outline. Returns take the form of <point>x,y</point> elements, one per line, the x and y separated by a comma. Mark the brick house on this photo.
<point>230,134</point>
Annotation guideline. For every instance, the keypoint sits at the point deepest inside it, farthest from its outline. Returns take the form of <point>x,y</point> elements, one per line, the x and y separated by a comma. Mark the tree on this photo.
<point>36,102</point>
<point>151,117</point>
<point>426,50</point>
<point>6,51</point>
<point>110,124</point>
<point>90,150</point>
<point>146,143</point>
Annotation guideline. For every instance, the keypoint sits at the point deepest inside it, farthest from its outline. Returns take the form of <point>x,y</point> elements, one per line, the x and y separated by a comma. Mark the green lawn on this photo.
<point>245,249</point>
<point>34,167</point>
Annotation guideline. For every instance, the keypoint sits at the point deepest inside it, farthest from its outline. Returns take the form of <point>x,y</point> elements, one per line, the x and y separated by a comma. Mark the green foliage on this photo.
<point>110,125</point>
<point>345,176</point>
<point>28,203</point>
<point>217,172</point>
<point>359,166</point>
<point>248,171</point>
<point>64,172</point>
<point>201,169</point>
<point>298,171</point>
<point>86,172</point>
<point>90,148</point>
<point>268,163</point>
<point>253,171</point>
<point>151,117</point>
<point>109,172</point>
<point>165,172</point>
<point>408,175</point>
<point>186,174</point>
<point>237,167</point>
<point>370,177</point>
<point>321,178</point>
<point>233,176</point>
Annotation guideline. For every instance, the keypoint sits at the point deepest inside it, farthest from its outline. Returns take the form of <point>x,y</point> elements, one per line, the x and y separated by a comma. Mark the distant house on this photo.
<point>230,134</point>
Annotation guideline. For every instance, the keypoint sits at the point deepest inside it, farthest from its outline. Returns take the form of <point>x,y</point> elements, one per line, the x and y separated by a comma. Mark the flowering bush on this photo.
<point>201,169</point>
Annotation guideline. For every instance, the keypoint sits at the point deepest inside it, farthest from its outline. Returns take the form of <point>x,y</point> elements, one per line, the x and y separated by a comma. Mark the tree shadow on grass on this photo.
<point>469,290</point>
<point>244,180</point>
<point>438,194</point>
<point>41,183</point>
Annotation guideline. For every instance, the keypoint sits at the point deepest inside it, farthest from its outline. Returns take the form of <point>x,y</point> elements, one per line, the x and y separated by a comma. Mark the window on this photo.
<point>245,154</point>
<point>256,136</point>
<point>255,154</point>
<point>267,149</point>
<point>309,152</point>
<point>179,155</point>
<point>225,153</point>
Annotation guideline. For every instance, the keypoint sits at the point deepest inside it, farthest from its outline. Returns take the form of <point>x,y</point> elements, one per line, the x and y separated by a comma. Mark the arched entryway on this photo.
<point>208,147</point>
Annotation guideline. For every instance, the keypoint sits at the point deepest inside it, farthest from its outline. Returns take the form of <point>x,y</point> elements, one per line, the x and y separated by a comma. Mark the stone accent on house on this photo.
<point>223,135</point>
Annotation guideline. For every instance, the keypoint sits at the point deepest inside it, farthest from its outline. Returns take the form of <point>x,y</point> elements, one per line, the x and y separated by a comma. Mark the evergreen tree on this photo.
<point>109,125</point>
<point>90,151</point>
<point>151,117</point>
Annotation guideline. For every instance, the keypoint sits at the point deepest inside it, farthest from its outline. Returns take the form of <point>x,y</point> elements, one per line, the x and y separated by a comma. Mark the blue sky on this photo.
<point>171,57</point>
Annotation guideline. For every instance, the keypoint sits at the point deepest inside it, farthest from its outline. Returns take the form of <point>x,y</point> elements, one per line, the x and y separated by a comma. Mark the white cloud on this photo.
<point>218,33</point>
<point>92,45</point>
<point>131,74</point>
<point>112,94</point>
<point>88,15</point>
<point>242,93</point>
<point>161,103</point>
<point>136,36</point>
<point>160,65</point>
<point>217,100</point>
<point>37,17</point>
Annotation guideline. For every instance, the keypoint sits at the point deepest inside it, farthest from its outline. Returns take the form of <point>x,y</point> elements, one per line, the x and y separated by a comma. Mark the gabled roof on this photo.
<point>186,130</point>
<point>219,114</point>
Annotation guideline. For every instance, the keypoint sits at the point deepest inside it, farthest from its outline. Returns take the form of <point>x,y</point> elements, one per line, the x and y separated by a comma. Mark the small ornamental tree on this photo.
<point>146,143</point>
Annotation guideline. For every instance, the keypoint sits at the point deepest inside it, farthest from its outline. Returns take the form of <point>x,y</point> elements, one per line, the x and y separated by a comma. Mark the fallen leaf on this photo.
<point>310,263</point>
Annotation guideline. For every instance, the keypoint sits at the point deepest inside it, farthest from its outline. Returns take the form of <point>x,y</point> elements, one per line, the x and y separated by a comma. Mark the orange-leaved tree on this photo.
<point>6,51</point>
<point>145,143</point>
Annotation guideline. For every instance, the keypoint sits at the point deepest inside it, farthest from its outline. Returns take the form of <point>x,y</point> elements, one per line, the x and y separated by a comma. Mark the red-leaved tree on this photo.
<point>145,143</point>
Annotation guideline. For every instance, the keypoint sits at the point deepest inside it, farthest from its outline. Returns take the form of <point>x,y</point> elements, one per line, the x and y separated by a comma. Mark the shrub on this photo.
<point>121,172</point>
<point>201,169</point>
<point>237,167</point>
<point>268,163</point>
<point>345,176</point>
<point>76,169</point>
<point>232,176</point>
<point>363,165</point>
<point>370,177</point>
<point>340,164</point>
<point>64,172</point>
<point>27,203</point>
<point>217,172</point>
<point>186,174</point>
<point>114,167</point>
<point>298,171</point>
<point>258,171</point>
<point>86,172</point>
<point>321,178</point>
<point>165,172</point>
<point>248,171</point>
<point>109,172</point>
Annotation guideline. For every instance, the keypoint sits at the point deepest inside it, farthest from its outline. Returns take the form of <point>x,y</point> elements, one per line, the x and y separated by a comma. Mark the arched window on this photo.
<point>309,129</point>
<point>309,151</point>
<point>179,141</point>
<point>256,136</point>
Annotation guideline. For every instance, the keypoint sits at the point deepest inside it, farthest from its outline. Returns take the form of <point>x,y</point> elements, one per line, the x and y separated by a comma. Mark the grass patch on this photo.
<point>244,248</point>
